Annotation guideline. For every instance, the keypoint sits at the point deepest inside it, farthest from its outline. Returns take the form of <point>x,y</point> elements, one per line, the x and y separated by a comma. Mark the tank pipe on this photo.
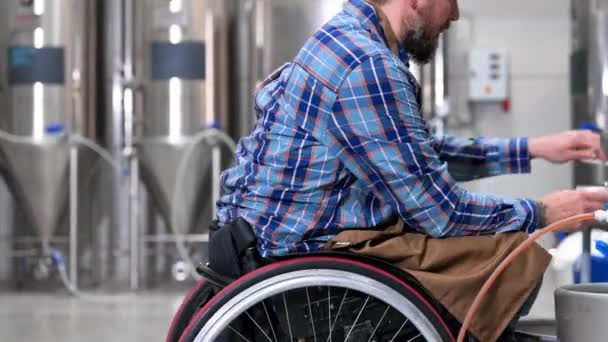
<point>73,254</point>
<point>59,262</point>
<point>56,256</point>
<point>74,141</point>
<point>105,155</point>
<point>77,139</point>
<point>181,172</point>
<point>18,139</point>
<point>599,216</point>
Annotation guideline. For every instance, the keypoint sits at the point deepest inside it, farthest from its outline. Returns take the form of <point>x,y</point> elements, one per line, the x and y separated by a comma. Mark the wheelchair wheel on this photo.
<point>320,299</point>
<point>196,298</point>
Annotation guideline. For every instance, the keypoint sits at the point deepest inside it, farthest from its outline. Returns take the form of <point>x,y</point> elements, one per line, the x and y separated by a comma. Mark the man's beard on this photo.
<point>420,44</point>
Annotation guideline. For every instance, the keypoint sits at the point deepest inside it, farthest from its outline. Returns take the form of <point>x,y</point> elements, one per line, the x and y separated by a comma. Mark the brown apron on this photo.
<point>454,270</point>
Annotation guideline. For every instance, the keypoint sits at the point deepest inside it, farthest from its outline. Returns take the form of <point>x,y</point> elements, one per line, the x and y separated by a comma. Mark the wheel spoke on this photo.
<point>410,340</point>
<point>270,322</point>
<point>287,316</point>
<point>357,305</point>
<point>378,324</point>
<point>258,326</point>
<point>312,321</point>
<point>238,333</point>
<point>337,315</point>
<point>329,310</point>
<point>399,331</point>
<point>357,319</point>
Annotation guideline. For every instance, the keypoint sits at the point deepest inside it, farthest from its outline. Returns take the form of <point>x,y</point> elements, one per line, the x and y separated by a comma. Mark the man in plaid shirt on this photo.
<point>340,147</point>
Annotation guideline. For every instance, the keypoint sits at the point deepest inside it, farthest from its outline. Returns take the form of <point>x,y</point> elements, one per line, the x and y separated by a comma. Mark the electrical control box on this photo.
<point>489,75</point>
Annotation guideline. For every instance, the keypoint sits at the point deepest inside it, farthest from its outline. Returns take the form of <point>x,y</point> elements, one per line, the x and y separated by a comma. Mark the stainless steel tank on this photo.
<point>272,32</point>
<point>267,34</point>
<point>46,94</point>
<point>581,313</point>
<point>3,46</point>
<point>589,89</point>
<point>185,77</point>
<point>117,106</point>
<point>589,76</point>
<point>283,26</point>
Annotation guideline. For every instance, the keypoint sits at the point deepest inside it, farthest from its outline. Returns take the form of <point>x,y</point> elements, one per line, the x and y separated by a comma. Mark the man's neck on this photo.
<point>389,32</point>
<point>393,12</point>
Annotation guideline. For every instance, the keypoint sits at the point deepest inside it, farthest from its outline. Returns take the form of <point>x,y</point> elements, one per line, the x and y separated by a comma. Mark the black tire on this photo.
<point>403,286</point>
<point>196,298</point>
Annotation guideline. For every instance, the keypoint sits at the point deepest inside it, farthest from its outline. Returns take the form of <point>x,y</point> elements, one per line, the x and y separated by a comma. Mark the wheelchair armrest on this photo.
<point>212,276</point>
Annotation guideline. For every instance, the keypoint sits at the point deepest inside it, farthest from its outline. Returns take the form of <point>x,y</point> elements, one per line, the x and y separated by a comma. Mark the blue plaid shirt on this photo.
<point>340,144</point>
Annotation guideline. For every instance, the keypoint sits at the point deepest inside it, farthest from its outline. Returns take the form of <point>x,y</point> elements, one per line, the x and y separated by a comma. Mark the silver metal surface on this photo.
<point>131,94</point>
<point>166,238</point>
<point>312,278</point>
<point>175,110</point>
<point>283,26</point>
<point>117,100</point>
<point>35,106</point>
<point>37,176</point>
<point>589,87</point>
<point>37,173</point>
<point>589,62</point>
<point>268,33</point>
<point>543,330</point>
<point>159,162</point>
<point>244,68</point>
<point>73,255</point>
<point>3,61</point>
<point>134,224</point>
<point>581,313</point>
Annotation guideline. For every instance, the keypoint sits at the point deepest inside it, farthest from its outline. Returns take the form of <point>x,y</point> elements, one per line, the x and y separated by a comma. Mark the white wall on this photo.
<point>537,36</point>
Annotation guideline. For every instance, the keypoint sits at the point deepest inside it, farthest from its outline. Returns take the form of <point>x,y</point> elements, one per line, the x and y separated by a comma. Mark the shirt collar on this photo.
<point>378,22</point>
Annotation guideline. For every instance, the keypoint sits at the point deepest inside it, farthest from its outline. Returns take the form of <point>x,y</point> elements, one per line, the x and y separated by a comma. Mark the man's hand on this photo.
<point>564,204</point>
<point>567,146</point>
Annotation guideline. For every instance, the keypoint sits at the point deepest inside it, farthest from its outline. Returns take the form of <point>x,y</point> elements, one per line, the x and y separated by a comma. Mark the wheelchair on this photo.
<point>320,297</point>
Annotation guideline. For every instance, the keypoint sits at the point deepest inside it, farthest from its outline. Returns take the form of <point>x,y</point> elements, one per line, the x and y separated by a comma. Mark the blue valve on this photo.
<point>215,125</point>
<point>57,257</point>
<point>602,246</point>
<point>55,128</point>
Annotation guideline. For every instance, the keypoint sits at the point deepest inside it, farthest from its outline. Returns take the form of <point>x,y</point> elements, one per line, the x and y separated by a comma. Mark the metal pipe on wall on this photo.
<point>589,65</point>
<point>113,118</point>
<point>589,89</point>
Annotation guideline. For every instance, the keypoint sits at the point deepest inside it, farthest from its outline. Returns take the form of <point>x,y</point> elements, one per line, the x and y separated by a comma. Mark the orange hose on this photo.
<point>508,260</point>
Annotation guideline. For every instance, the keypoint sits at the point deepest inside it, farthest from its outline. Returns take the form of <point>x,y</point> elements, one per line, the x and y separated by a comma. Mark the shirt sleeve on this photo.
<point>376,130</point>
<point>470,159</point>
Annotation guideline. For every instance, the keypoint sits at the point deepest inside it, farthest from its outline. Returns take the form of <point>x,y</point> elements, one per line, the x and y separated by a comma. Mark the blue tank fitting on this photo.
<point>602,247</point>
<point>57,257</point>
<point>55,129</point>
<point>590,126</point>
<point>215,125</point>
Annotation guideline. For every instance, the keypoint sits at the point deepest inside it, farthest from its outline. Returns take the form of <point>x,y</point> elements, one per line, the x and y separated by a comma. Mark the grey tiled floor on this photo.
<point>62,318</point>
<point>144,317</point>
